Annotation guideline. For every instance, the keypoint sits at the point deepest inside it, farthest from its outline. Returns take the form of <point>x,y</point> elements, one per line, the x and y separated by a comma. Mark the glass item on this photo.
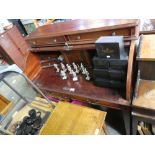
<point>19,90</point>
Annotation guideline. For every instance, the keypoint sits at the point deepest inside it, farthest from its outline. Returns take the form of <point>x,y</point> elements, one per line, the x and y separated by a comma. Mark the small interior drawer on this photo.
<point>47,41</point>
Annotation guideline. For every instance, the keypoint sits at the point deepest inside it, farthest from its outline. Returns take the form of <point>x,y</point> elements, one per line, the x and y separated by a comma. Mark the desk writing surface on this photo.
<point>49,80</point>
<point>145,95</point>
<point>70,119</point>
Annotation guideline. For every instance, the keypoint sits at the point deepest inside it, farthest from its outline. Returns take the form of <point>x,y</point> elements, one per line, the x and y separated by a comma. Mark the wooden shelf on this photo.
<point>145,97</point>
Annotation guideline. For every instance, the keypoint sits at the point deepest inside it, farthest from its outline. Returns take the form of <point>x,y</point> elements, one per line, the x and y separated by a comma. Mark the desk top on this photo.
<point>145,97</point>
<point>69,119</point>
<point>82,26</point>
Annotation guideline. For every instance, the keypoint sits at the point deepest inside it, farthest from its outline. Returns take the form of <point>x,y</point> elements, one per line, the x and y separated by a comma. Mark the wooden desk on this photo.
<point>69,119</point>
<point>75,40</point>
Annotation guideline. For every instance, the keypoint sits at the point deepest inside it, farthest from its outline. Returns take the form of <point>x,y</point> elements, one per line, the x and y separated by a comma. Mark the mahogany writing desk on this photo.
<point>75,40</point>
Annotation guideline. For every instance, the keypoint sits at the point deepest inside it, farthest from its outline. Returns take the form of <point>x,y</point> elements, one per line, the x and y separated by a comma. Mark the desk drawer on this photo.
<point>47,42</point>
<point>92,36</point>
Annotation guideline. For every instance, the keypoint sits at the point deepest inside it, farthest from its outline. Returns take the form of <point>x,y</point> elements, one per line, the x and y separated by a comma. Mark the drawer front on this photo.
<point>117,75</point>
<point>109,83</point>
<point>101,73</point>
<point>102,63</point>
<point>118,64</point>
<point>109,74</point>
<point>92,36</point>
<point>147,70</point>
<point>47,42</point>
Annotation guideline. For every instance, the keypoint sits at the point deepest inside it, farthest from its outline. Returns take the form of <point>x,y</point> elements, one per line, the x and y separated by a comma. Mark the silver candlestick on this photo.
<point>87,74</point>
<point>70,70</point>
<point>56,67</point>
<point>63,67</point>
<point>75,78</point>
<point>82,69</point>
<point>75,68</point>
<point>63,74</point>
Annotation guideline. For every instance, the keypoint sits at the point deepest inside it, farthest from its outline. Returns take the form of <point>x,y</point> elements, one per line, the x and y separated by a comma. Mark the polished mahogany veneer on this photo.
<point>51,81</point>
<point>80,32</point>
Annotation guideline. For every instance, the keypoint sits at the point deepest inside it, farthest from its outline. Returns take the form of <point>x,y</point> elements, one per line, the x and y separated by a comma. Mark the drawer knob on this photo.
<point>55,40</point>
<point>78,37</point>
<point>33,42</point>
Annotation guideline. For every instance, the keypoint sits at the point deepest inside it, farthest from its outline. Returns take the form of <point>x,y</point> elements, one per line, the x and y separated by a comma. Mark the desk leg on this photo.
<point>127,121</point>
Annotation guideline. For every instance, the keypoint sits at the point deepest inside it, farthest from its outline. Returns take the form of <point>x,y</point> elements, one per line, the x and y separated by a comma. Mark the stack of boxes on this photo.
<point>110,64</point>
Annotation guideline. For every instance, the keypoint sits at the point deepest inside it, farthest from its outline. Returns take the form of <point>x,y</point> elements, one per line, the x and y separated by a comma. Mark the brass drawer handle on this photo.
<point>33,42</point>
<point>55,40</point>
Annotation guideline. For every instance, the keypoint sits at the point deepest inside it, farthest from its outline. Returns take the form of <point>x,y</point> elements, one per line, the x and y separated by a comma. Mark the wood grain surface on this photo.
<point>85,90</point>
<point>147,51</point>
<point>69,119</point>
<point>145,95</point>
<point>82,26</point>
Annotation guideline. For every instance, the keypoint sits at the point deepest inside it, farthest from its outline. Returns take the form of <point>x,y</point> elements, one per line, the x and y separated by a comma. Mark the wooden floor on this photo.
<point>51,81</point>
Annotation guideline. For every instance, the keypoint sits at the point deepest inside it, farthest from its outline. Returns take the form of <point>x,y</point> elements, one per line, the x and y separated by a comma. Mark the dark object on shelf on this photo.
<point>32,113</point>
<point>109,83</point>
<point>30,124</point>
<point>102,63</point>
<point>111,47</point>
<point>110,66</point>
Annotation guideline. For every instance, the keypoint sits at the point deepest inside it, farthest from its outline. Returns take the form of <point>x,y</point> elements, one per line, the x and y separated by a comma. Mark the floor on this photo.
<point>114,121</point>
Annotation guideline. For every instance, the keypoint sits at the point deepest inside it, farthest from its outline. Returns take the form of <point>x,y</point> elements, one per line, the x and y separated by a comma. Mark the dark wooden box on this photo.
<point>111,47</point>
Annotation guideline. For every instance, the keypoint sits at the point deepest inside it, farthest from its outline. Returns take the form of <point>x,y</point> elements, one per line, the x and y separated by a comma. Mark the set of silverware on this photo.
<point>74,70</point>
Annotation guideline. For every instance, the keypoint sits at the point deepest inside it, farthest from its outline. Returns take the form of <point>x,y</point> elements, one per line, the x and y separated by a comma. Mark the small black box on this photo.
<point>111,47</point>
